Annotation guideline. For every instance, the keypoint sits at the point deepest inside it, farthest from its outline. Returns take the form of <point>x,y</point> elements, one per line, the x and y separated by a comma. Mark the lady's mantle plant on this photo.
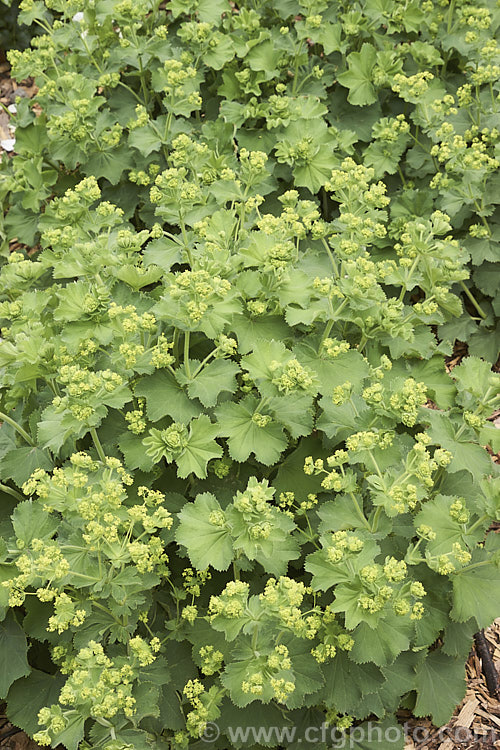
<point>238,484</point>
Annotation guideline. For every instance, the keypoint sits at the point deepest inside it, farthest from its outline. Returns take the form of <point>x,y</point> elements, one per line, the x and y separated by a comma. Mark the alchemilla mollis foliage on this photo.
<point>238,485</point>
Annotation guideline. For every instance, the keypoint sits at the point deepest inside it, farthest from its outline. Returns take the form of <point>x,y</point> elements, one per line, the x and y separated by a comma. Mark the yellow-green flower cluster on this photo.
<point>411,88</point>
<point>145,653</point>
<point>40,564</point>
<point>459,511</point>
<point>230,603</point>
<point>197,292</point>
<point>291,376</point>
<point>282,598</point>
<point>342,393</point>
<point>388,583</point>
<point>212,660</point>
<point>368,440</point>
<point>136,421</point>
<point>161,355</point>
<point>332,348</point>
<point>194,580</point>
<point>181,85</point>
<point>407,401</point>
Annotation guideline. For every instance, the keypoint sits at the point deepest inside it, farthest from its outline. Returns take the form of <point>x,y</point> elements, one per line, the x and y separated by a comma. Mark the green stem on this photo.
<point>327,330</point>
<point>9,420</point>
<point>9,491</point>
<point>375,463</point>
<point>296,70</point>
<point>330,255</point>
<point>473,300</point>
<point>186,353</point>
<point>474,565</point>
<point>97,443</point>
<point>207,359</point>
<point>236,571</point>
<point>175,348</point>
<point>360,513</point>
<point>451,10</point>
<point>376,517</point>
<point>477,524</point>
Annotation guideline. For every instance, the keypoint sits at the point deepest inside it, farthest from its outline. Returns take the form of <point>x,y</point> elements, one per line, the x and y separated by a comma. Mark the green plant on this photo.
<point>12,34</point>
<point>253,495</point>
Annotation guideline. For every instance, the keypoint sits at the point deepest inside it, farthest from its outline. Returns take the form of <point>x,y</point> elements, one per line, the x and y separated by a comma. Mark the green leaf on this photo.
<point>133,452</point>
<point>245,436</point>
<point>385,734</point>
<point>165,397</point>
<point>250,330</point>
<point>145,140</point>
<point>295,412</point>
<point>20,463</point>
<point>358,77</point>
<point>210,11</point>
<point>206,543</point>
<point>163,253</point>
<point>51,432</point>
<point>31,521</point>
<point>73,733</point>
<point>28,695</point>
<point>440,684</point>
<point>217,377</point>
<point>475,376</point>
<point>108,164</point>
<point>347,683</point>
<point>264,56</point>
<point>382,644</point>
<point>13,651</point>
<point>200,449</point>
<point>326,574</point>
<point>472,592</point>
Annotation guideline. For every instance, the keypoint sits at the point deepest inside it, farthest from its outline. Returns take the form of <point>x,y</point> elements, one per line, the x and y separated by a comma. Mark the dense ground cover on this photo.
<point>238,484</point>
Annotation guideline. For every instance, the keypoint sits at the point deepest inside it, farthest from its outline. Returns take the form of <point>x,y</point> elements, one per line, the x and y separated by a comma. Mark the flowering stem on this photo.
<point>9,420</point>
<point>473,300</point>
<point>236,571</point>
<point>9,491</point>
<point>327,330</point>
<point>97,443</point>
